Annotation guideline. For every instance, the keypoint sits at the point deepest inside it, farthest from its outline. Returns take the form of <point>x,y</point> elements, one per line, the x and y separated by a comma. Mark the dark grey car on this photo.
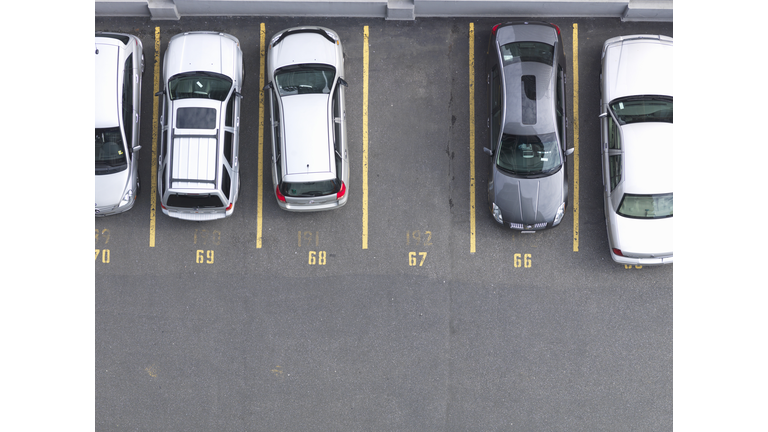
<point>528,188</point>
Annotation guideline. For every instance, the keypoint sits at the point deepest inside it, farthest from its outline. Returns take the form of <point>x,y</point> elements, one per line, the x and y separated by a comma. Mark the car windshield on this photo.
<point>527,52</point>
<point>643,109</point>
<point>310,189</point>
<point>529,155</point>
<point>199,85</point>
<point>110,151</point>
<point>646,206</point>
<point>303,79</point>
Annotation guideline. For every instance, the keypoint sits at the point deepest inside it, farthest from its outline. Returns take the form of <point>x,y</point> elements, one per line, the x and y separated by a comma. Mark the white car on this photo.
<point>636,148</point>
<point>119,67</point>
<point>198,177</point>
<point>305,73</point>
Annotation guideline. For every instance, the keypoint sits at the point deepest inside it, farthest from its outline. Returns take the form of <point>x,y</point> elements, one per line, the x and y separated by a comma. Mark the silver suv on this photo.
<point>199,174</point>
<point>305,70</point>
<point>119,67</point>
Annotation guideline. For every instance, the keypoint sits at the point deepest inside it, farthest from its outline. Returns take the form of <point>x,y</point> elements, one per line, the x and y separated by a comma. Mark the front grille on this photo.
<point>519,226</point>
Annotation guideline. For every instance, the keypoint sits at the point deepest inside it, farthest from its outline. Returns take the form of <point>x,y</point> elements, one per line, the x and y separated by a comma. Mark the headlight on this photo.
<point>497,213</point>
<point>559,215</point>
<point>127,198</point>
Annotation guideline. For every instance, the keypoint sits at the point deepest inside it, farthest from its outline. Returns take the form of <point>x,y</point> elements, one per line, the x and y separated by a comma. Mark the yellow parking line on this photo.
<point>155,109</point>
<point>576,137</point>
<point>471,137</point>
<point>365,137</point>
<point>260,176</point>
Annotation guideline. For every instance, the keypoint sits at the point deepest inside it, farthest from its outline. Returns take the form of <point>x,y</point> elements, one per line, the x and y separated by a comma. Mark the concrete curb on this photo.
<point>627,10</point>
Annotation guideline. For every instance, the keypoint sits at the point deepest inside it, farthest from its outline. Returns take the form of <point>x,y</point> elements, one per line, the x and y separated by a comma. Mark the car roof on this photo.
<point>108,82</point>
<point>647,157</point>
<point>307,137</point>
<point>637,65</point>
<point>201,51</point>
<point>303,48</point>
<point>525,116</point>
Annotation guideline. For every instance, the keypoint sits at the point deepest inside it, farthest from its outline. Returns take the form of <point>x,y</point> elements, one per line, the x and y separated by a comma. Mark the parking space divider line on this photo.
<point>575,137</point>
<point>472,138</point>
<point>365,137</point>
<point>259,198</point>
<point>155,109</point>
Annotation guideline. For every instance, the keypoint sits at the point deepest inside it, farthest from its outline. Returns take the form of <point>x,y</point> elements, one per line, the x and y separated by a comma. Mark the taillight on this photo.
<point>342,191</point>
<point>229,207</point>
<point>617,252</point>
<point>280,196</point>
<point>556,27</point>
<point>493,30</point>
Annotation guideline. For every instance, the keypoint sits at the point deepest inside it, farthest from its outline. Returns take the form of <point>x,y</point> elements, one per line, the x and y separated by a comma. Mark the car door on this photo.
<point>232,144</point>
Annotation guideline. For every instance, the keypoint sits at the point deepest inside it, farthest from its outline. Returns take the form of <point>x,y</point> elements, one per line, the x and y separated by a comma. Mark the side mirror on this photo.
<point>137,148</point>
<point>488,151</point>
<point>268,86</point>
<point>605,114</point>
<point>569,151</point>
<point>342,82</point>
<point>160,93</point>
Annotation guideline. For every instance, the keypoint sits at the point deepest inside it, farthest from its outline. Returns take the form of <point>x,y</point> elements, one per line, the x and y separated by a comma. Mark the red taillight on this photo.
<point>493,30</point>
<point>161,205</point>
<point>617,252</point>
<point>342,191</point>
<point>280,196</point>
<point>557,28</point>
<point>229,207</point>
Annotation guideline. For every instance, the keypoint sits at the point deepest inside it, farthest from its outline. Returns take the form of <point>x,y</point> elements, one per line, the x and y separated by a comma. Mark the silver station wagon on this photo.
<point>528,184</point>
<point>305,73</point>
<point>119,67</point>
<point>636,131</point>
<point>199,174</point>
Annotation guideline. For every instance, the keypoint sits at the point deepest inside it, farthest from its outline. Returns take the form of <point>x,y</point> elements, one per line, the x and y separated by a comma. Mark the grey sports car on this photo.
<point>528,185</point>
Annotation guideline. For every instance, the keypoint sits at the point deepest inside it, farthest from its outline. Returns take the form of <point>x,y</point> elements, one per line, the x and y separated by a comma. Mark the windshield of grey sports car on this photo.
<point>304,79</point>
<point>640,109</point>
<point>201,85</point>
<point>529,155</point>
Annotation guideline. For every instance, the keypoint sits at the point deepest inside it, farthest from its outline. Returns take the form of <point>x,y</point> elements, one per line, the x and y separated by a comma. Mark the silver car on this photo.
<point>305,73</point>
<point>636,131</point>
<point>198,176</point>
<point>119,67</point>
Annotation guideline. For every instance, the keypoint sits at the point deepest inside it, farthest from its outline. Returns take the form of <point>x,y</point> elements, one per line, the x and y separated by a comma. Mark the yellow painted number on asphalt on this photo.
<point>418,238</point>
<point>105,255</point>
<point>204,256</point>
<point>630,266</point>
<point>317,258</point>
<point>413,258</point>
<point>521,260</point>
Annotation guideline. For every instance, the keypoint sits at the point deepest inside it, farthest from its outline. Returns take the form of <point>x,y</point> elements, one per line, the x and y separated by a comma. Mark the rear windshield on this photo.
<point>310,189</point>
<point>194,201</point>
<point>527,52</point>
<point>646,206</point>
<point>110,151</point>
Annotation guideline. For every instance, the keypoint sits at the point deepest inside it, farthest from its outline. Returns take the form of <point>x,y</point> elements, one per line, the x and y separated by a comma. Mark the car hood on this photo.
<point>210,52</point>
<point>637,65</point>
<point>303,48</point>
<point>110,187</point>
<point>643,236</point>
<point>528,201</point>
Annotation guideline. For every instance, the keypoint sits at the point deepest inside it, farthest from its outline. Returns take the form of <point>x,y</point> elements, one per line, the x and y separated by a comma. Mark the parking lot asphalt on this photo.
<point>407,309</point>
